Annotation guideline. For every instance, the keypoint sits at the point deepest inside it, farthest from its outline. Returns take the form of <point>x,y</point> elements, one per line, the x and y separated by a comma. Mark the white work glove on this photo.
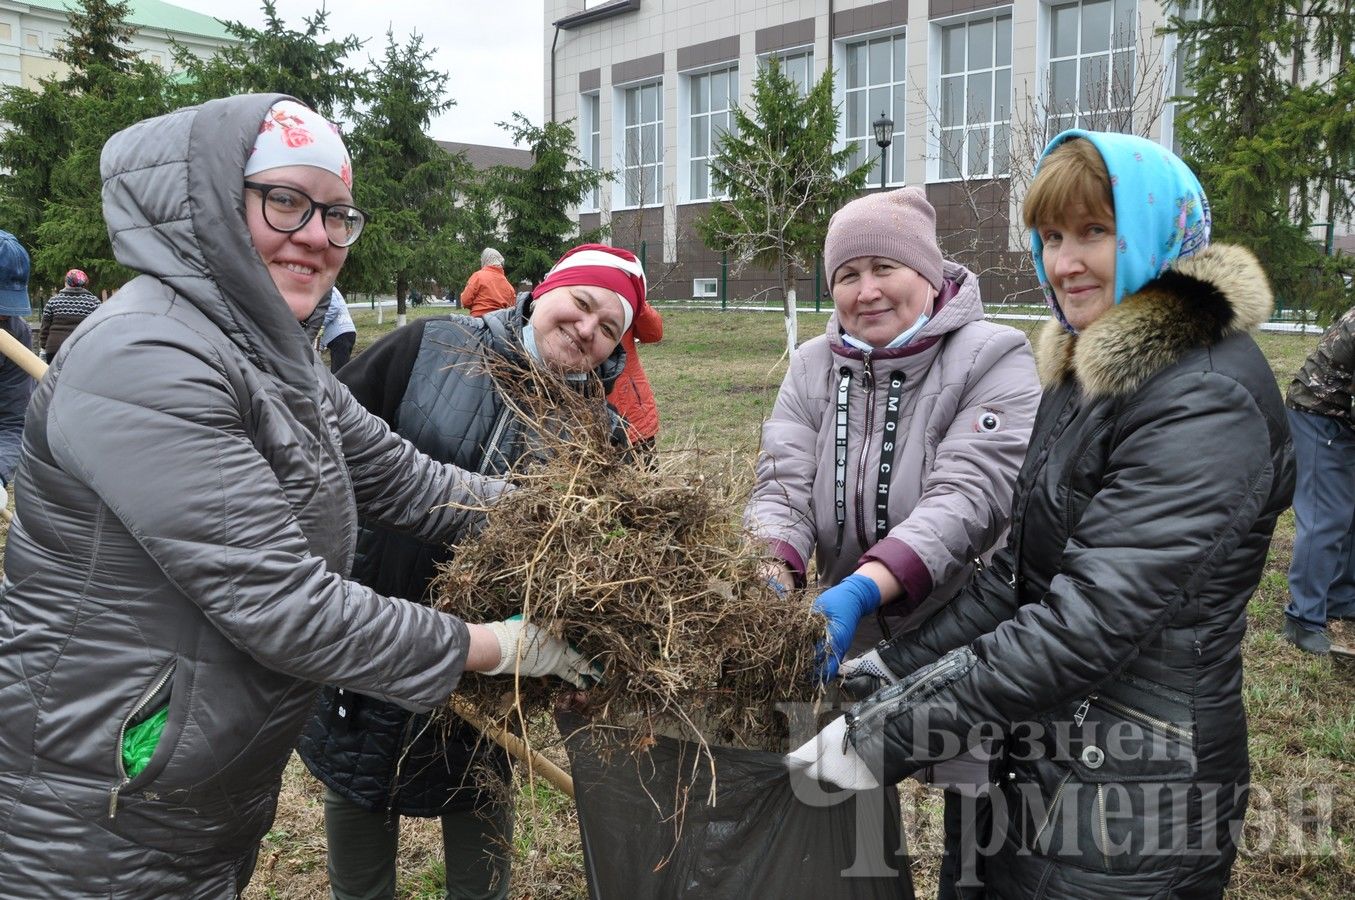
<point>865,674</point>
<point>829,757</point>
<point>535,653</point>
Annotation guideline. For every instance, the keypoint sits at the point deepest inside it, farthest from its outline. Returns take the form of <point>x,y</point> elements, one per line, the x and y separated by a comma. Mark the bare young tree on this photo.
<point>782,178</point>
<point>648,202</point>
<point>987,161</point>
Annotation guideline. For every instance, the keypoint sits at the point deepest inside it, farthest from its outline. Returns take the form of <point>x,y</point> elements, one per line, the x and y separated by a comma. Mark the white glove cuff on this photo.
<point>830,757</point>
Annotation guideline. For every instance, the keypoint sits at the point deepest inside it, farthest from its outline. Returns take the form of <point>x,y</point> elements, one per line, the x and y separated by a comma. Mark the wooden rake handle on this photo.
<point>23,357</point>
<point>517,748</point>
<point>27,360</point>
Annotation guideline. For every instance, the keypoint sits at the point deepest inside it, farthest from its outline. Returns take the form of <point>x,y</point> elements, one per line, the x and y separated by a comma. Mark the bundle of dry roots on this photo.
<point>644,566</point>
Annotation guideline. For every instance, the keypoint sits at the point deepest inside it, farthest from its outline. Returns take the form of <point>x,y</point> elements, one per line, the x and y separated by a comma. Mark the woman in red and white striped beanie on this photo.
<point>582,307</point>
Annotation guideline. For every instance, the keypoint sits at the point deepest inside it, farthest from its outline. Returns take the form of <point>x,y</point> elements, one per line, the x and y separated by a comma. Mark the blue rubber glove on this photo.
<point>844,604</point>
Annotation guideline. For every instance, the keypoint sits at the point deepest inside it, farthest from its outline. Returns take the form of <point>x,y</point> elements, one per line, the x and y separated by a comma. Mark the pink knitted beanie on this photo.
<point>899,225</point>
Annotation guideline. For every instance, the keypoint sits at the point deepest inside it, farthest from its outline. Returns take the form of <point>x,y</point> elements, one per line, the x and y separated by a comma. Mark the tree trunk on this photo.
<point>788,295</point>
<point>401,288</point>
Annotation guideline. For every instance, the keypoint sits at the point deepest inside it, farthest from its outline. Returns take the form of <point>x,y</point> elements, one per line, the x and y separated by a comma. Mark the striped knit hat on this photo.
<point>598,265</point>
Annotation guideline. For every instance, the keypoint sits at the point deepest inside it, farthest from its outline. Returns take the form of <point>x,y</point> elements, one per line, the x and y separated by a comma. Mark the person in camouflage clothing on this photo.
<point>1322,573</point>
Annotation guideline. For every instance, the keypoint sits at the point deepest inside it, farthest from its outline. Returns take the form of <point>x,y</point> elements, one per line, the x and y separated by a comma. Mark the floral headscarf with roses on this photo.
<point>1161,213</point>
<point>294,135</point>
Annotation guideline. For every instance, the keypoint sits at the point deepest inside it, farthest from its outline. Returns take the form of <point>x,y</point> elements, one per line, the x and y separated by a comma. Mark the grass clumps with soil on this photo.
<point>645,567</point>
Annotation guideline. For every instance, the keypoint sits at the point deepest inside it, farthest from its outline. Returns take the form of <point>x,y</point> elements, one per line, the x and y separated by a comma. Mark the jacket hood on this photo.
<point>958,304</point>
<point>1197,302</point>
<point>173,198</point>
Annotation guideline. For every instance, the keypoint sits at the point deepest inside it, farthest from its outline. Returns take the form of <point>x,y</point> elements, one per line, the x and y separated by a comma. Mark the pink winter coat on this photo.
<point>966,403</point>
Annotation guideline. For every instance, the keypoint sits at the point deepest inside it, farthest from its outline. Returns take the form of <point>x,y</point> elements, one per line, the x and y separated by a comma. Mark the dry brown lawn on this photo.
<point>716,376</point>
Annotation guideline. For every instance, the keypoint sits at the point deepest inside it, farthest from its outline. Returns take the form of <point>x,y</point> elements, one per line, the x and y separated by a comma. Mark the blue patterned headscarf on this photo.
<point>1161,213</point>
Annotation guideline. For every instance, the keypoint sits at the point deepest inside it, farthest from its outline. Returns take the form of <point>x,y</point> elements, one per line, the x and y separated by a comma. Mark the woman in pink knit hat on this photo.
<point>892,451</point>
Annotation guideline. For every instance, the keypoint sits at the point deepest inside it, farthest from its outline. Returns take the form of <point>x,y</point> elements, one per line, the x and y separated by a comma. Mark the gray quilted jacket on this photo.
<point>967,397</point>
<point>186,512</point>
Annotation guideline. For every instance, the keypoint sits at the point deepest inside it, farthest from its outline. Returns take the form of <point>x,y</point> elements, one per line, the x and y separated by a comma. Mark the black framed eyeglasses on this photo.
<point>287,209</point>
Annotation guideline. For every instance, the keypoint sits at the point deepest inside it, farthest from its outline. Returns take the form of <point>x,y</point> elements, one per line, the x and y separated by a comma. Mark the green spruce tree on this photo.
<point>51,190</point>
<point>98,46</point>
<point>782,178</point>
<point>538,201</point>
<point>408,183</point>
<point>307,64</point>
<point>1269,126</point>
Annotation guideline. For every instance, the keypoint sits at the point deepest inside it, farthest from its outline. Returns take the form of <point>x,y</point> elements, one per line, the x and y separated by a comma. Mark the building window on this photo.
<point>975,97</point>
<point>1190,11</point>
<point>797,65</point>
<point>6,33</point>
<point>642,164</point>
<point>590,142</point>
<point>1091,65</point>
<point>874,83</point>
<point>32,40</point>
<point>711,99</point>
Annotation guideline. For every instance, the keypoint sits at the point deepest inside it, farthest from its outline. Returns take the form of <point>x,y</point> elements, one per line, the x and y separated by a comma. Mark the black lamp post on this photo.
<point>884,136</point>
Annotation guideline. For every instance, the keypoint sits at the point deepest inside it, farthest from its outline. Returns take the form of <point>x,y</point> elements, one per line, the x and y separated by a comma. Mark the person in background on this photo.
<point>339,333</point>
<point>488,288</point>
<point>1322,571</point>
<point>1103,645</point>
<point>631,395</point>
<point>67,309</point>
<point>892,450</point>
<point>16,385</point>
<point>186,513</point>
<point>432,382</point>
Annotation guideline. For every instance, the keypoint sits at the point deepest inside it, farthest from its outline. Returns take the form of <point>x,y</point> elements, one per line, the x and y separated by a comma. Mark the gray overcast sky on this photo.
<point>491,51</point>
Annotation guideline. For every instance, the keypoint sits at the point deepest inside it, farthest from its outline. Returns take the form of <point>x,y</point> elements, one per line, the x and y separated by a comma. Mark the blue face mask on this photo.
<point>903,340</point>
<point>529,344</point>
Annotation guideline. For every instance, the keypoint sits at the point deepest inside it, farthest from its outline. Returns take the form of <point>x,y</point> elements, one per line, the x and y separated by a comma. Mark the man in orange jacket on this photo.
<point>488,289</point>
<point>632,395</point>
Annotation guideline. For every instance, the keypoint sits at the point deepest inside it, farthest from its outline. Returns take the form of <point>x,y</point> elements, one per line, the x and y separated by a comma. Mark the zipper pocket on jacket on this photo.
<point>1179,732</point>
<point>1105,830</point>
<point>495,435</point>
<point>1049,813</point>
<point>146,699</point>
<point>896,694</point>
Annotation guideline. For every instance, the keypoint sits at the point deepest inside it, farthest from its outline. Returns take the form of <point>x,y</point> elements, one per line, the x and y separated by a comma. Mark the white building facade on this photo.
<point>31,31</point>
<point>974,88</point>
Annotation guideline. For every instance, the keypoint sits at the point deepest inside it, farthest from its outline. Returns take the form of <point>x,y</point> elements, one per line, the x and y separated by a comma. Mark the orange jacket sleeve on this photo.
<point>648,325</point>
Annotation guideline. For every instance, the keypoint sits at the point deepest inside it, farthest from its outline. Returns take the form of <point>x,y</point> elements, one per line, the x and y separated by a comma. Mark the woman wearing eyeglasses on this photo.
<point>187,503</point>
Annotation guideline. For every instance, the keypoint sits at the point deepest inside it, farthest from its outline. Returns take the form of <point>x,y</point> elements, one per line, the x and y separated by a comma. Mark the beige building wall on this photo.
<point>670,41</point>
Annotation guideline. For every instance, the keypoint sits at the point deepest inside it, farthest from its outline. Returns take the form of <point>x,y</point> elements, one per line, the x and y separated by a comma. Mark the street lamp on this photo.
<point>884,135</point>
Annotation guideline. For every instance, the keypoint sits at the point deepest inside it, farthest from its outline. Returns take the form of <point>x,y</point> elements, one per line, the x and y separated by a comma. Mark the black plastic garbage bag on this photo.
<point>649,834</point>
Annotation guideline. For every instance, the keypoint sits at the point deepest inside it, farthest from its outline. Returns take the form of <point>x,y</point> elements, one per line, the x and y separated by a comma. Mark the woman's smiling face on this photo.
<point>1079,261</point>
<point>303,263</point>
<point>577,326</point>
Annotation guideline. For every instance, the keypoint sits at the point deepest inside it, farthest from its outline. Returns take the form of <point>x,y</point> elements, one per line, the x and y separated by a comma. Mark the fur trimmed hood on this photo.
<point>1199,301</point>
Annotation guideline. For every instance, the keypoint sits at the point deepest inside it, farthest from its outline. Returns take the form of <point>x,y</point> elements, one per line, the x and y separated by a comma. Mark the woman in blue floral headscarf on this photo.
<point>1102,646</point>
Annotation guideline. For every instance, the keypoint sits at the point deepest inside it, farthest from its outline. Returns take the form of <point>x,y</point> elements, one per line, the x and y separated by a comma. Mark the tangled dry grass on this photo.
<point>644,566</point>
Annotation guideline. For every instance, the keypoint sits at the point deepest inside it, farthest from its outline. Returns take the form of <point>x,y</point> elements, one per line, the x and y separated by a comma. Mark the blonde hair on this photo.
<point>1073,176</point>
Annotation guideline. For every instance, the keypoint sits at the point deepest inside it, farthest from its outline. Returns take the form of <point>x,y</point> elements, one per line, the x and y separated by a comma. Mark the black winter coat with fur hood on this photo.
<point>1103,644</point>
